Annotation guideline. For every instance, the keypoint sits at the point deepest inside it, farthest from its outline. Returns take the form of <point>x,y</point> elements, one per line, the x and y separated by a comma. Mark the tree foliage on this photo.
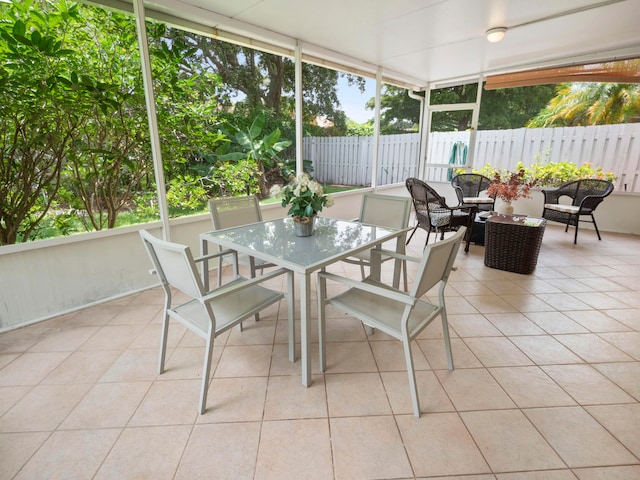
<point>580,104</point>
<point>500,109</point>
<point>262,80</point>
<point>41,111</point>
<point>256,145</point>
<point>73,124</point>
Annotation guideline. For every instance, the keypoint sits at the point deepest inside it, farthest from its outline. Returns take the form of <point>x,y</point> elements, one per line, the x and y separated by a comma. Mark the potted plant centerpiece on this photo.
<point>509,186</point>
<point>305,198</point>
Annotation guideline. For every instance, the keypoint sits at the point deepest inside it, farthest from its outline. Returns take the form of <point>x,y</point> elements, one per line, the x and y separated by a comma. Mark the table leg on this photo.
<point>374,266</point>
<point>291,310</point>
<point>400,265</point>
<point>204,250</point>
<point>305,320</point>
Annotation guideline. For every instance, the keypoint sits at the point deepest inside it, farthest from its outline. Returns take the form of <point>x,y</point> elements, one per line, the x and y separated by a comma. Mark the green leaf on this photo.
<point>36,37</point>
<point>65,52</point>
<point>19,28</point>
<point>22,39</point>
<point>46,44</point>
<point>233,156</point>
<point>257,125</point>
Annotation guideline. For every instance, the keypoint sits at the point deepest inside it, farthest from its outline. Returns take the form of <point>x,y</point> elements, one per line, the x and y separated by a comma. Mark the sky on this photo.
<point>353,102</point>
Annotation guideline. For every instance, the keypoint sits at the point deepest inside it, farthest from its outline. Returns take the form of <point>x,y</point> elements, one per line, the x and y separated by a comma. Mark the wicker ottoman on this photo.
<point>512,243</point>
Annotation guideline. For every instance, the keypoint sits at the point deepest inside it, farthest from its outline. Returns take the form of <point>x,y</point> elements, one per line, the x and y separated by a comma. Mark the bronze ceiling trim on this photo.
<point>619,71</point>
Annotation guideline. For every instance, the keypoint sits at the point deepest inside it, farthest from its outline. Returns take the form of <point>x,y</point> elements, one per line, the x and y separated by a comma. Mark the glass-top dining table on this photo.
<point>274,241</point>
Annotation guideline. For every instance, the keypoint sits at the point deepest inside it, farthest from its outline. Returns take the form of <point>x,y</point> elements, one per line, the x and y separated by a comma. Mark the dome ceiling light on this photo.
<point>494,35</point>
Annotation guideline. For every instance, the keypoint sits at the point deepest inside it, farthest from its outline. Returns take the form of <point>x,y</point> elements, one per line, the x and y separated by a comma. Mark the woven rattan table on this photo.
<point>512,242</point>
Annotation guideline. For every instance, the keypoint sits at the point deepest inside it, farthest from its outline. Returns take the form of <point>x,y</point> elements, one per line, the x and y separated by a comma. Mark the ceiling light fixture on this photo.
<point>494,35</point>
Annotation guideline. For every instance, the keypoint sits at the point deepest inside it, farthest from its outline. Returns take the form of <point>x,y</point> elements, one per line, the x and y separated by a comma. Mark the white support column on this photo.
<point>421,126</point>
<point>138,10</point>
<point>425,129</point>
<point>474,124</point>
<point>298,100</point>
<point>376,131</point>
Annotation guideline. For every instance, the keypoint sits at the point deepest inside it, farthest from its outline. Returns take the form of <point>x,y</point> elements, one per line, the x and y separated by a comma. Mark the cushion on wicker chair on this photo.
<point>478,200</point>
<point>562,208</point>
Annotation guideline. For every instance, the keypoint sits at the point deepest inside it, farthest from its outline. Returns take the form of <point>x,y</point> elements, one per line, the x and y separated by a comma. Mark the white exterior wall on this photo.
<point>47,278</point>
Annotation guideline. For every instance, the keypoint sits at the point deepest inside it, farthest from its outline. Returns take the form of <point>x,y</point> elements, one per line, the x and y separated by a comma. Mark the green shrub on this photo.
<point>555,174</point>
<point>235,178</point>
<point>186,194</point>
<point>551,174</point>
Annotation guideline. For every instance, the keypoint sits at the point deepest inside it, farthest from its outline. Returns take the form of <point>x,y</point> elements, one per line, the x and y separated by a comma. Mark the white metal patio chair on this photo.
<point>227,212</point>
<point>385,211</point>
<point>399,314</point>
<point>207,314</point>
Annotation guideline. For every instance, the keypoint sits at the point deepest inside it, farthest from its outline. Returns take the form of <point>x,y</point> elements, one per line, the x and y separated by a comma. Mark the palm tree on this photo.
<point>580,104</point>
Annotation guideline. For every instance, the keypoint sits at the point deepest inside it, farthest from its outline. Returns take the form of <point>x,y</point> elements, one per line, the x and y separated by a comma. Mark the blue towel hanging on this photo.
<point>458,156</point>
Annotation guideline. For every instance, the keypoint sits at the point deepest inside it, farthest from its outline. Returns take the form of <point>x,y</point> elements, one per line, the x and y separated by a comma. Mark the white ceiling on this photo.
<point>418,42</point>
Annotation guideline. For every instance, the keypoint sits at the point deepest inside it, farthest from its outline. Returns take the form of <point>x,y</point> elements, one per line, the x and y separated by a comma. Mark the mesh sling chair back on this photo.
<point>207,314</point>
<point>573,200</point>
<point>434,215</point>
<point>471,190</point>
<point>230,212</point>
<point>385,211</point>
<point>396,313</point>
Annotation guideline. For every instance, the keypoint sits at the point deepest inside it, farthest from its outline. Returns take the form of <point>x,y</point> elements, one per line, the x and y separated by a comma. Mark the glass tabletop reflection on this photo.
<point>275,240</point>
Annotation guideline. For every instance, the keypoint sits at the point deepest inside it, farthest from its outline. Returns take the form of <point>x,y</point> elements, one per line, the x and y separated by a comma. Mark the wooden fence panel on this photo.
<point>347,160</point>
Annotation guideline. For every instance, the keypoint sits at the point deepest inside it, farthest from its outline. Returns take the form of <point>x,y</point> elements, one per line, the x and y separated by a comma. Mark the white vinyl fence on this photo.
<point>347,160</point>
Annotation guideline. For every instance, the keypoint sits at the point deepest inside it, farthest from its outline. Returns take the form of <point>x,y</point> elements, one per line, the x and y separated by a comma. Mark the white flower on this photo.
<point>315,187</point>
<point>303,179</point>
<point>303,193</point>
<point>275,191</point>
<point>329,201</point>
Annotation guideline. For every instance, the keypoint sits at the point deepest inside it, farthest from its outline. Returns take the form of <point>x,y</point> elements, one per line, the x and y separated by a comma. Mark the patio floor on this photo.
<point>546,386</point>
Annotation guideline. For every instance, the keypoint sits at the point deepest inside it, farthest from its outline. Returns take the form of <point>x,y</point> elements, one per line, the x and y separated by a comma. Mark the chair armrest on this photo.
<point>391,253</point>
<point>369,287</point>
<point>590,202</point>
<point>468,208</point>
<point>552,195</point>
<point>221,253</point>
<point>459,194</point>
<point>243,284</point>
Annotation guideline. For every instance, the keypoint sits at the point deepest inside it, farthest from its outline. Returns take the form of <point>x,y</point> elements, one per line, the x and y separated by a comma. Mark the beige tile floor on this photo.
<point>546,386</point>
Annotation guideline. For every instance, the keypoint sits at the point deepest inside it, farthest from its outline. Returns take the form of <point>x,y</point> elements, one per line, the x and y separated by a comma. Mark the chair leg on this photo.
<point>412,232</point>
<point>447,339</point>
<point>219,271</point>
<point>412,377</point>
<point>206,371</point>
<point>404,269</point>
<point>595,225</point>
<point>252,269</point>
<point>426,242</point>
<point>163,342</point>
<point>467,240</point>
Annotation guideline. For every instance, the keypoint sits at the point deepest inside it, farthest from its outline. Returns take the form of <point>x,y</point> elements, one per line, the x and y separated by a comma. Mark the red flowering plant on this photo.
<point>509,186</point>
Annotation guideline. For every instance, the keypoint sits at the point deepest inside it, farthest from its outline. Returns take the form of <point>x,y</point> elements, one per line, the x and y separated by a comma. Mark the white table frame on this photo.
<point>281,250</point>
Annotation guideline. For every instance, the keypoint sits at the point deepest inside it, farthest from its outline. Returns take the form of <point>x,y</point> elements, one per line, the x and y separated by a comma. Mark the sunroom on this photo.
<point>89,342</point>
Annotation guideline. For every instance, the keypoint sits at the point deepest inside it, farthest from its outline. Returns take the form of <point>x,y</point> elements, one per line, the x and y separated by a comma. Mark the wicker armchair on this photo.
<point>469,188</point>
<point>434,215</point>
<point>585,196</point>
